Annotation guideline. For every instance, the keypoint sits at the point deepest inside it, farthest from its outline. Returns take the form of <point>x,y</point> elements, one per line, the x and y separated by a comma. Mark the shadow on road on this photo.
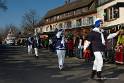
<point>21,68</point>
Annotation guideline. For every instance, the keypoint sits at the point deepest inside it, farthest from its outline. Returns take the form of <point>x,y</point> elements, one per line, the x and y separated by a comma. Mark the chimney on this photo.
<point>67,1</point>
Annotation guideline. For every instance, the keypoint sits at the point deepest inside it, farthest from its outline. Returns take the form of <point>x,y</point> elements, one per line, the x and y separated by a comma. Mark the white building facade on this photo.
<point>74,17</point>
<point>112,11</point>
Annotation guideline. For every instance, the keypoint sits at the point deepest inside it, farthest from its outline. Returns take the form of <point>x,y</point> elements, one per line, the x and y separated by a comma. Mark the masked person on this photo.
<point>60,47</point>
<point>30,43</point>
<point>35,46</point>
<point>97,39</point>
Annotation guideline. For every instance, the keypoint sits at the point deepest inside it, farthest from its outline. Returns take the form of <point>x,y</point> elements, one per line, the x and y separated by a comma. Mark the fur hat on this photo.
<point>98,22</point>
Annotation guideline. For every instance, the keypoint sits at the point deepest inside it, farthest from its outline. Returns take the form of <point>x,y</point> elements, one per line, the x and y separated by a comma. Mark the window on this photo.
<point>68,25</point>
<point>106,14</point>
<point>90,20</point>
<point>111,13</point>
<point>66,15</point>
<point>85,9</point>
<point>72,13</point>
<point>61,16</point>
<point>85,21</point>
<point>51,19</point>
<point>58,17</point>
<point>47,28</point>
<point>54,18</point>
<point>78,11</point>
<point>60,25</point>
<point>78,22</point>
<point>50,27</point>
<point>54,26</point>
<point>116,12</point>
<point>47,20</point>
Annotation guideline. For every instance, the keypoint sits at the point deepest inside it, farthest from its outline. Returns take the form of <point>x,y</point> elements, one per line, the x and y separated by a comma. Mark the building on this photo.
<point>112,12</point>
<point>77,16</point>
<point>10,39</point>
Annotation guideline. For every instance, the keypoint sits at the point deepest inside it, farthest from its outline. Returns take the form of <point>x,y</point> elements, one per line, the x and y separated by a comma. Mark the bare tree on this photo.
<point>30,19</point>
<point>2,5</point>
<point>1,35</point>
<point>1,38</point>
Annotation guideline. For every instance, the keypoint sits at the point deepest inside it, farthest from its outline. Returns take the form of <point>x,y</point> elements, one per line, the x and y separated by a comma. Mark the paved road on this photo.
<point>18,67</point>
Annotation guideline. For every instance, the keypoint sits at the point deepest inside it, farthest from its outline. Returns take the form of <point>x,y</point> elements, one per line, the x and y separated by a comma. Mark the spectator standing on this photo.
<point>119,56</point>
<point>70,47</point>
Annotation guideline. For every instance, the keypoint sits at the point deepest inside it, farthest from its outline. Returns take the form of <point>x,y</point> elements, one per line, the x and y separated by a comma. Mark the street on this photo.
<point>16,66</point>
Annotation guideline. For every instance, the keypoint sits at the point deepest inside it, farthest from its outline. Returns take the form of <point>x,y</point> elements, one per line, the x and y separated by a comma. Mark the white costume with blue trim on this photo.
<point>30,43</point>
<point>97,39</point>
<point>60,48</point>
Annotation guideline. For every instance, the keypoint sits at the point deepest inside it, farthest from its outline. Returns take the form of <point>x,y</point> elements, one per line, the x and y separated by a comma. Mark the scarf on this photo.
<point>101,32</point>
<point>58,35</point>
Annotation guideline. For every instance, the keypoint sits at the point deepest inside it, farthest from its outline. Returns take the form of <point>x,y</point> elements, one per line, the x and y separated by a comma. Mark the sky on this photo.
<point>17,8</point>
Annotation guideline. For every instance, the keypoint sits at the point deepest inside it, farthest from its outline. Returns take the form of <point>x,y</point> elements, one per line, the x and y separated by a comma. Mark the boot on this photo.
<point>36,57</point>
<point>99,75</point>
<point>93,74</point>
<point>60,67</point>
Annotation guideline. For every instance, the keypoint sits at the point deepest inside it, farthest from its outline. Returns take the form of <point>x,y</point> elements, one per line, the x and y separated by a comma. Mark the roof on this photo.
<point>68,7</point>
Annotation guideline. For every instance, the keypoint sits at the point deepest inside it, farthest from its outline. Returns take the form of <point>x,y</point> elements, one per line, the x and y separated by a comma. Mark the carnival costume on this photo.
<point>60,47</point>
<point>30,43</point>
<point>35,46</point>
<point>97,40</point>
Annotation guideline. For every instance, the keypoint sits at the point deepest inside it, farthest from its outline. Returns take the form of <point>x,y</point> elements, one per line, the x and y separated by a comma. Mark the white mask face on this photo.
<point>80,40</point>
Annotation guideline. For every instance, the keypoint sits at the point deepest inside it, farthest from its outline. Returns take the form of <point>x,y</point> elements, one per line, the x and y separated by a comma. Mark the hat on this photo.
<point>98,22</point>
